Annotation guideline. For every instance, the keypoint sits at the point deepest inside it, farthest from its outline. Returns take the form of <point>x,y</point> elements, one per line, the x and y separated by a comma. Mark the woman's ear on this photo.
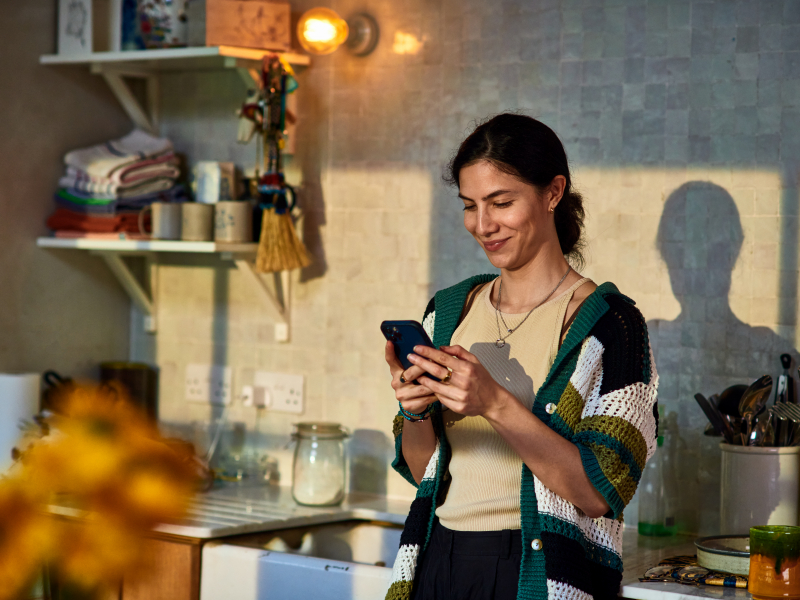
<point>555,191</point>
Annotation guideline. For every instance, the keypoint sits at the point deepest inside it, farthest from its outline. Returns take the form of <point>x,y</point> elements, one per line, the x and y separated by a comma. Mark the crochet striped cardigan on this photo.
<point>603,385</point>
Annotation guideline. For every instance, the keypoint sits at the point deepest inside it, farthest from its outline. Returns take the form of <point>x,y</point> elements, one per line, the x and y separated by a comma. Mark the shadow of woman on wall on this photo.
<point>707,347</point>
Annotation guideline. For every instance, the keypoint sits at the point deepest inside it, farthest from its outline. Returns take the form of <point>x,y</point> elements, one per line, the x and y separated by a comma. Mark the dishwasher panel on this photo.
<point>340,561</point>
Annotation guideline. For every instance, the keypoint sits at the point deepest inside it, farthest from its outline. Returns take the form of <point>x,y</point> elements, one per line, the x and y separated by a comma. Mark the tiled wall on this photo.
<point>681,121</point>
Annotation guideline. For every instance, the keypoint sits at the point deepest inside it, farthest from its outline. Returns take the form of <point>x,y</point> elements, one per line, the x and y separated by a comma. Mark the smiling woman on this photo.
<point>530,153</point>
<point>533,441</point>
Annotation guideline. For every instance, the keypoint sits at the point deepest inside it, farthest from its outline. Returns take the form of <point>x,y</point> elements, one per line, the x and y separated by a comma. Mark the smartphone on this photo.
<point>405,335</point>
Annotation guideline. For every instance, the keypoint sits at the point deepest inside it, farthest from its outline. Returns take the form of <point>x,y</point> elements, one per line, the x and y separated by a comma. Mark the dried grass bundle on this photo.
<point>279,248</point>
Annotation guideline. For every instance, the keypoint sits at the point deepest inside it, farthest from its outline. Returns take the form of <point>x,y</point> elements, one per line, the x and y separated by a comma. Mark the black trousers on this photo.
<point>469,565</point>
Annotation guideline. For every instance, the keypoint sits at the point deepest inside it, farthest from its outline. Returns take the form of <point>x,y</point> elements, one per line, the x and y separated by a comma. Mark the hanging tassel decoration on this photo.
<point>279,247</point>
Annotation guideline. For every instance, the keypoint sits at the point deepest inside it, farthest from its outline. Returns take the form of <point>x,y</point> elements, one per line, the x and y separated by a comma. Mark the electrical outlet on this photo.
<point>283,392</point>
<point>255,396</point>
<point>261,397</point>
<point>208,384</point>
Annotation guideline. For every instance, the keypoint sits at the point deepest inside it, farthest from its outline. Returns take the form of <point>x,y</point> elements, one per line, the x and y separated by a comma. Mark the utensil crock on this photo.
<point>759,486</point>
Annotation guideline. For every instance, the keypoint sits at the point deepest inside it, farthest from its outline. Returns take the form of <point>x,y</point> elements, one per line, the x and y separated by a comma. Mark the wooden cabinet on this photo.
<point>173,572</point>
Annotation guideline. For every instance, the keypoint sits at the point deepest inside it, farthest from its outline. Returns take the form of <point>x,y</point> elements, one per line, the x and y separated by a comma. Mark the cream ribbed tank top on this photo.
<point>486,472</point>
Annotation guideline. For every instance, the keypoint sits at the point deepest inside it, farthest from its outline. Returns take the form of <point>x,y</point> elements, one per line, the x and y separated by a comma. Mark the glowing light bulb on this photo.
<point>317,30</point>
<point>321,31</point>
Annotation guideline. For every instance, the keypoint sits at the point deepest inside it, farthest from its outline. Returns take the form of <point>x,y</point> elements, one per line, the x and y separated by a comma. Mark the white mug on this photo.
<point>213,181</point>
<point>197,224</point>
<point>165,223</point>
<point>233,221</point>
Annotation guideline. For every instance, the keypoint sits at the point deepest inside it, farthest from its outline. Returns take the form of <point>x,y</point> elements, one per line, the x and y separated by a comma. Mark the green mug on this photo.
<point>774,562</point>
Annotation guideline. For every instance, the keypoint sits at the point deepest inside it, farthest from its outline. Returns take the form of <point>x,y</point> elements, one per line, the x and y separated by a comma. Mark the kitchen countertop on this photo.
<point>234,510</point>
<point>639,553</point>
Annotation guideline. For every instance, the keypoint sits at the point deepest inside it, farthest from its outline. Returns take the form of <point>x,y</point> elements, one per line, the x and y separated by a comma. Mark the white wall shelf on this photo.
<point>174,59</point>
<point>277,298</point>
<point>114,67</point>
<point>146,245</point>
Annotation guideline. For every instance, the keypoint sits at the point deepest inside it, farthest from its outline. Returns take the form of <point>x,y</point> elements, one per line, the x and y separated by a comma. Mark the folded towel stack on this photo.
<point>105,186</point>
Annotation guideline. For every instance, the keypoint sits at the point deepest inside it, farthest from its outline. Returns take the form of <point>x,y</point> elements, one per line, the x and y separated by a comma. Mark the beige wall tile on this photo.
<point>374,136</point>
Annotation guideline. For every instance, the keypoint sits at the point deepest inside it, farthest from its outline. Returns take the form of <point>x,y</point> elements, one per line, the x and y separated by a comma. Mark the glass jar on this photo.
<point>774,562</point>
<point>319,467</point>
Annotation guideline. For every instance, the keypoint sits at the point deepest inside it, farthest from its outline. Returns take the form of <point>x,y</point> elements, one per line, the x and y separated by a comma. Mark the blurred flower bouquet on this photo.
<point>90,479</point>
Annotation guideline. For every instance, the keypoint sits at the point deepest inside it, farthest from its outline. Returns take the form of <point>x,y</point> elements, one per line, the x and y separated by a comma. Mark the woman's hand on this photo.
<point>471,390</point>
<point>414,398</point>
<point>419,439</point>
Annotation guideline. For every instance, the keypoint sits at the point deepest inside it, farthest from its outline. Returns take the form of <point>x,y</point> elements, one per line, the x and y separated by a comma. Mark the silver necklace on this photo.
<point>501,341</point>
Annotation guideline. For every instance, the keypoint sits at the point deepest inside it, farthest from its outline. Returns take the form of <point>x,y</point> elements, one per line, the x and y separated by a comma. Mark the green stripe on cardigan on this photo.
<point>399,462</point>
<point>448,304</point>
<point>598,438</point>
<point>600,482</point>
<point>608,429</point>
<point>532,573</point>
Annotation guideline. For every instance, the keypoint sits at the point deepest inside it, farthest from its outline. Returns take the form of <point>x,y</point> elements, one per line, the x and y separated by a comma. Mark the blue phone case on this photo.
<point>405,335</point>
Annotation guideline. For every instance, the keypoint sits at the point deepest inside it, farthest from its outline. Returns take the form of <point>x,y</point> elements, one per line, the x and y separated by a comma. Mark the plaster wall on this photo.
<point>58,310</point>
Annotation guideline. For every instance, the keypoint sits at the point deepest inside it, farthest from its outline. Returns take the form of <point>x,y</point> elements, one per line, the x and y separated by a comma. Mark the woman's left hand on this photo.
<point>471,390</point>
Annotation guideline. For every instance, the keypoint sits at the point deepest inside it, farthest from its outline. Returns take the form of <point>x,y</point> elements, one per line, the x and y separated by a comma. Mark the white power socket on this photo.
<point>255,396</point>
<point>208,384</point>
<point>283,392</point>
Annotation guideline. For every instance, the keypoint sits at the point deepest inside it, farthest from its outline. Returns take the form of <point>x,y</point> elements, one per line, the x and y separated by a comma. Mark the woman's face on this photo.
<point>509,218</point>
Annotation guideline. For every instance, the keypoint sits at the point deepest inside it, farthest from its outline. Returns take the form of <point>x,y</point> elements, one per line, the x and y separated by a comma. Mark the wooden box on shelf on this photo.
<point>248,23</point>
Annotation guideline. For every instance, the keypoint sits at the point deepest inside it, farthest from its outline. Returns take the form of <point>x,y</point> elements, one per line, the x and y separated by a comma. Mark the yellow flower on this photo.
<point>26,536</point>
<point>102,456</point>
<point>154,486</point>
<point>94,552</point>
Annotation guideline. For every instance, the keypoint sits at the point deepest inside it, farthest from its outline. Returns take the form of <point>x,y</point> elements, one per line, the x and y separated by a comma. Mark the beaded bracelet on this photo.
<point>415,417</point>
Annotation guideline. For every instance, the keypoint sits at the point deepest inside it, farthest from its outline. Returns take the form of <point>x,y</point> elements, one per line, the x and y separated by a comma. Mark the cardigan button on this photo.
<point>536,545</point>
<point>550,408</point>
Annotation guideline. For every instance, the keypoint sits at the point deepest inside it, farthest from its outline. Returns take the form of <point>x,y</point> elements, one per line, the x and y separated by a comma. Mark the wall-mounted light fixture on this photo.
<point>322,31</point>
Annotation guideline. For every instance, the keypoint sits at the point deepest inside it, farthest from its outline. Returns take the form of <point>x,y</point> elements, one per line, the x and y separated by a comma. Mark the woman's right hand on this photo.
<point>414,398</point>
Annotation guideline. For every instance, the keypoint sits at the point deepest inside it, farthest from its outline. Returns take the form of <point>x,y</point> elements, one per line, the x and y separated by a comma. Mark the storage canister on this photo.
<point>759,486</point>
<point>318,471</point>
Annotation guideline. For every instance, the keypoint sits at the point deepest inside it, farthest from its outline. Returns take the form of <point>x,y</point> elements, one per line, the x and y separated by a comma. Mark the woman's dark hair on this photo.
<point>529,150</point>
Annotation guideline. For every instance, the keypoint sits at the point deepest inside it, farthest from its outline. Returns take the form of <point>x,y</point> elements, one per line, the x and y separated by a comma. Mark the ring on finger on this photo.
<point>402,378</point>
<point>446,378</point>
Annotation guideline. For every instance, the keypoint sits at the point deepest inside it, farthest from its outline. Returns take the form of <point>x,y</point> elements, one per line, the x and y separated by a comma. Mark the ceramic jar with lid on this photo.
<point>318,470</point>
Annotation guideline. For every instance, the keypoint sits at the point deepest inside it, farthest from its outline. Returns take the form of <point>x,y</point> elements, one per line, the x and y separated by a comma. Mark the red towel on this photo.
<point>65,219</point>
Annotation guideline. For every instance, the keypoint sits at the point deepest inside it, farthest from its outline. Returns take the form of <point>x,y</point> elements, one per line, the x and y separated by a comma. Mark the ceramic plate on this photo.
<point>725,553</point>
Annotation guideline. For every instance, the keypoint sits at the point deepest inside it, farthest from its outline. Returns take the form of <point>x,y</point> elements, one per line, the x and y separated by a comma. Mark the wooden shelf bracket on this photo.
<point>275,296</point>
<point>144,302</point>
<point>130,103</point>
<point>279,307</point>
<point>249,75</point>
